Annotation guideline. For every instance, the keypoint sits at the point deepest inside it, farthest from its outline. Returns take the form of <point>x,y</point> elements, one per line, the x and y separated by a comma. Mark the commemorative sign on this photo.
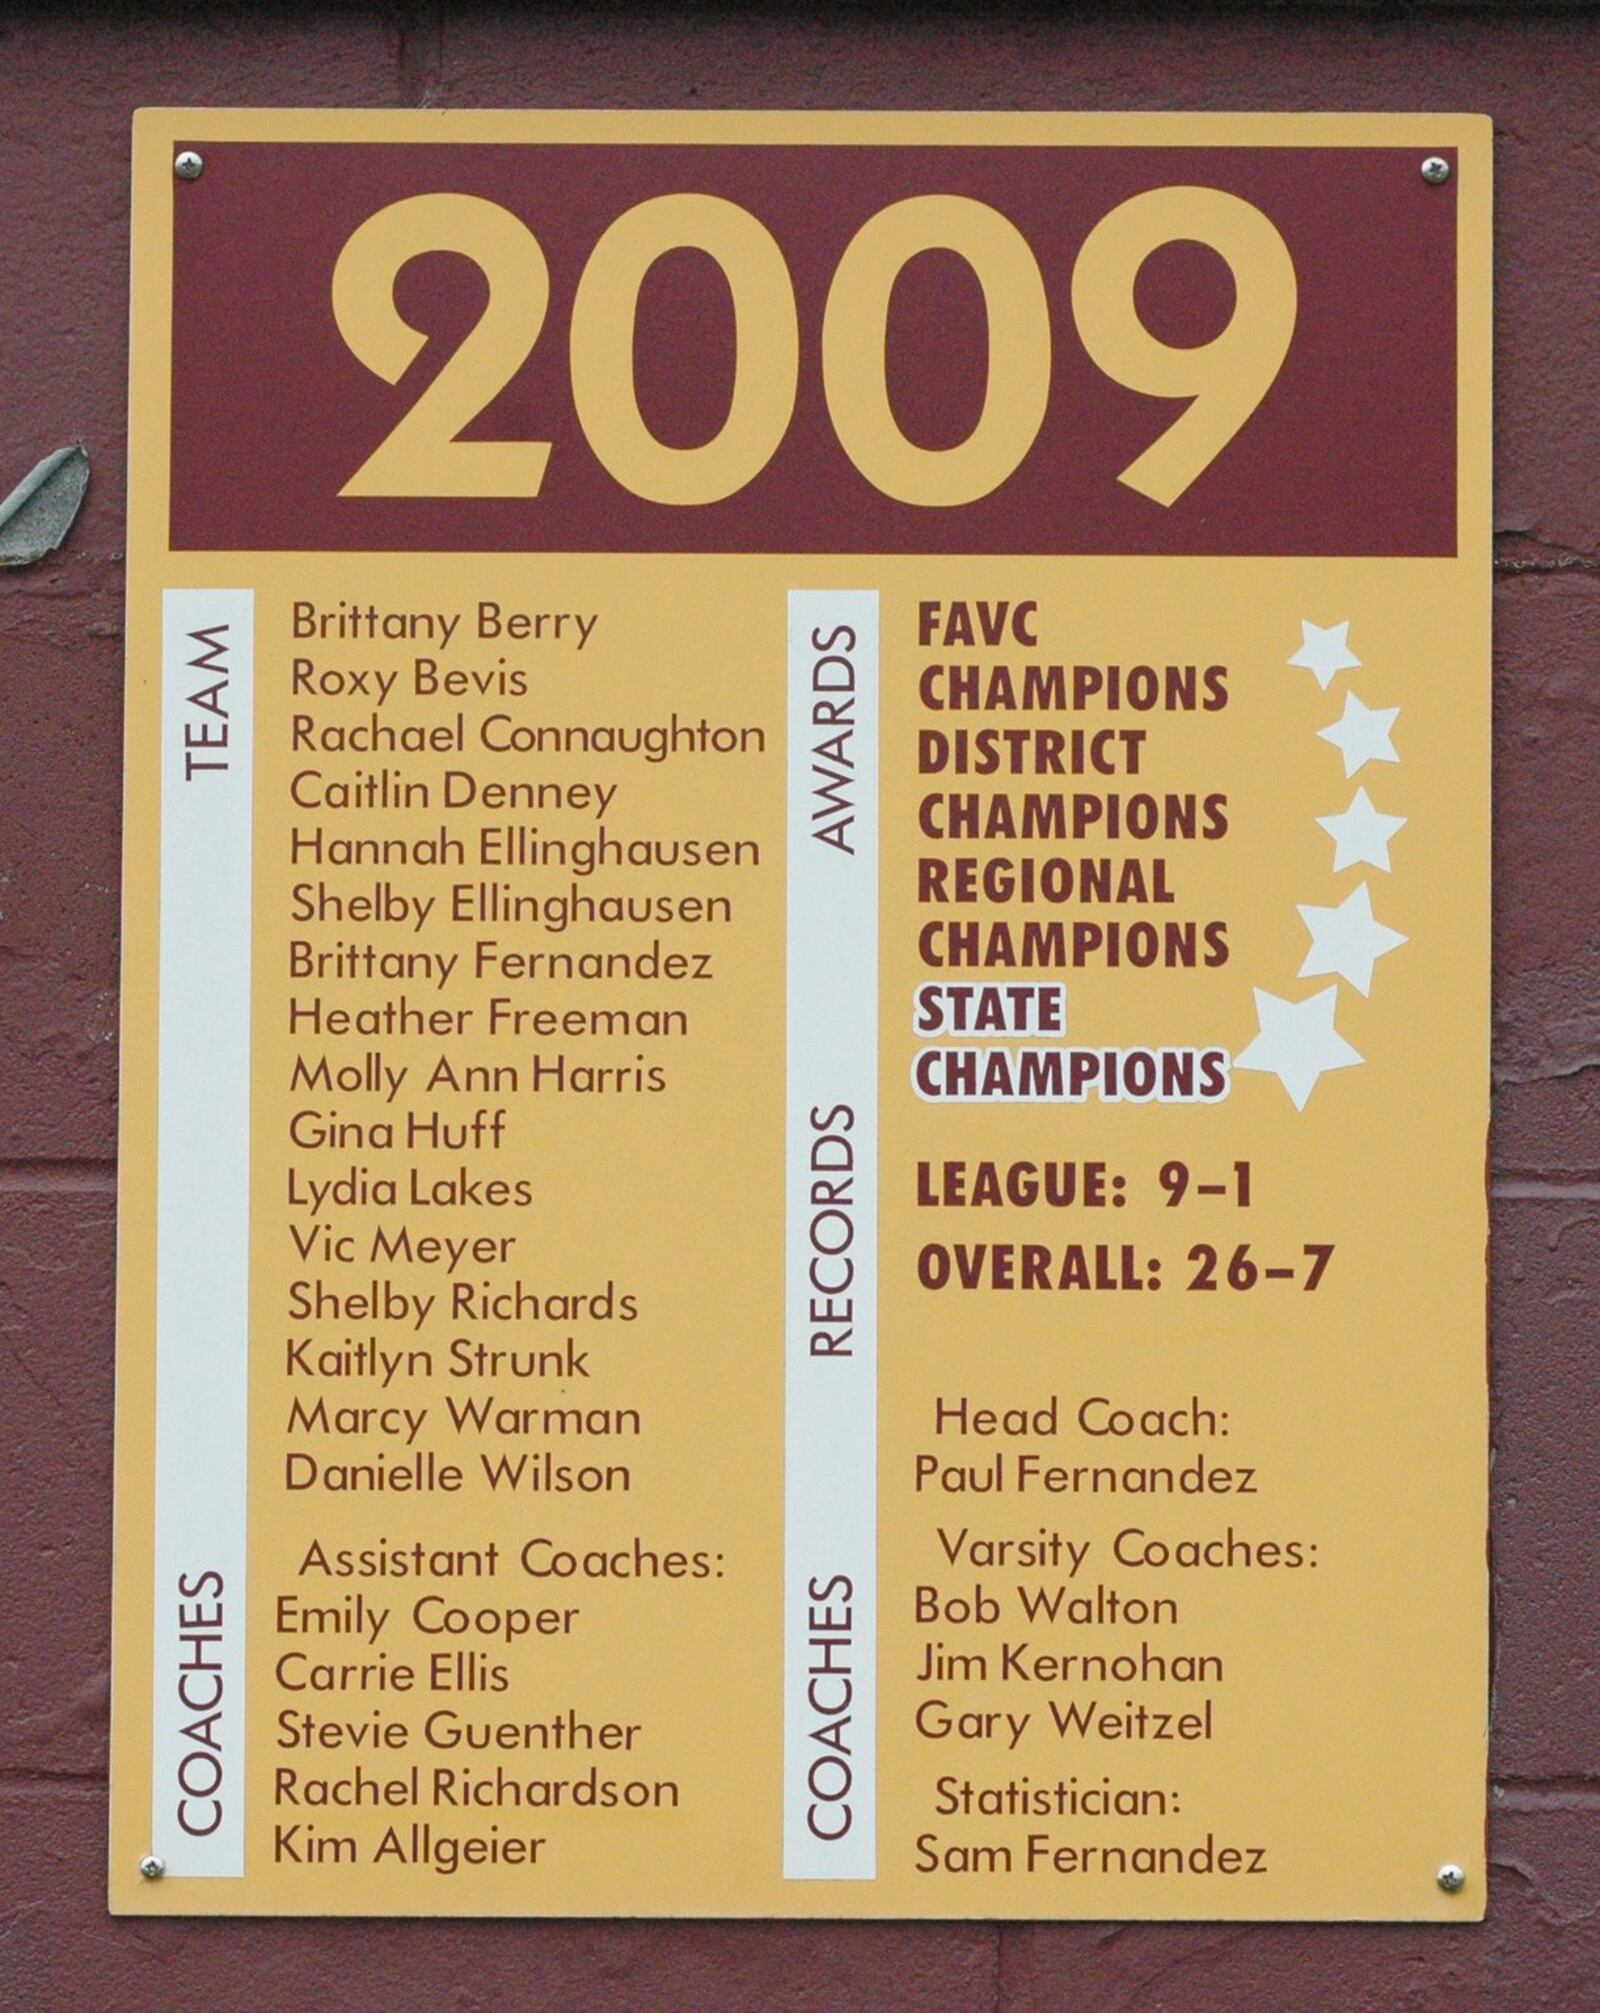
<point>805,1017</point>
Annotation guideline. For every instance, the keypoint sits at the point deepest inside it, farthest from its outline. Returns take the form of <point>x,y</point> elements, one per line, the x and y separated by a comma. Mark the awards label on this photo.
<point>805,1018</point>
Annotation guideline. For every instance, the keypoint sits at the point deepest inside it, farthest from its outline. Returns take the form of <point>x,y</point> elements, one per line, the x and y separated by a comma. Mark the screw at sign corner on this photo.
<point>1451,1879</point>
<point>1435,169</point>
<point>188,166</point>
<point>151,1867</point>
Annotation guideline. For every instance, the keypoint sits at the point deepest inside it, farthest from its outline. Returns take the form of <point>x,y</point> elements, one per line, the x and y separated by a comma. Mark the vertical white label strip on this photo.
<point>831,1290</point>
<point>202,1230</point>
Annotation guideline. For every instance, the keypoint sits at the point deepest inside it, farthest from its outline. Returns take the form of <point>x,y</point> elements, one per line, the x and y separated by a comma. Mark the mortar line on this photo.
<point>1515,1188</point>
<point>58,1177</point>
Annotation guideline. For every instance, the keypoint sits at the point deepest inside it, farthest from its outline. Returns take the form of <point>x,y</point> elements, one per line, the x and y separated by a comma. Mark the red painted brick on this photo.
<point>56,1254</point>
<point>1546,1299</point>
<point>1539,1950</point>
<point>1548,1129</point>
<point>63,1954</point>
<point>1547,1019</point>
<point>61,785</point>
<point>1547,810</point>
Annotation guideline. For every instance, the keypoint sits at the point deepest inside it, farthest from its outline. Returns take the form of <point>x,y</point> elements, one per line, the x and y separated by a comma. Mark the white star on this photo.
<point>1361,733</point>
<point>1360,835</point>
<point>1347,941</point>
<point>1325,652</point>
<point>1297,1042</point>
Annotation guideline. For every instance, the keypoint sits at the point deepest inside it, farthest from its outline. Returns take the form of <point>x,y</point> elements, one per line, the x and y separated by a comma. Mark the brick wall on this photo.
<point>67,89</point>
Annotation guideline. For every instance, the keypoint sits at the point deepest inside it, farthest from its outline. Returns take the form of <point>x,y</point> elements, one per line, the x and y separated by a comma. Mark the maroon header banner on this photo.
<point>1350,448</point>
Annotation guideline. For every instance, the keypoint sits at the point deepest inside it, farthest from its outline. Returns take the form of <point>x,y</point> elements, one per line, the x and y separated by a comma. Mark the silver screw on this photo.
<point>1451,1879</point>
<point>189,166</point>
<point>151,1867</point>
<point>1435,169</point>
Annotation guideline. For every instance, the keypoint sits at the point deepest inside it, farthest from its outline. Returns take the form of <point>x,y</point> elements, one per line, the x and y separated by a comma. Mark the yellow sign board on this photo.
<point>805,1017</point>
